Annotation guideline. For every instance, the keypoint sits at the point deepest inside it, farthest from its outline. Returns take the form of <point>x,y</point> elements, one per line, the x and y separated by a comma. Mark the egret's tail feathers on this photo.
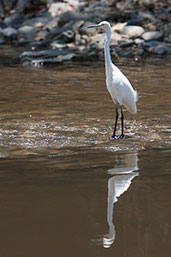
<point>132,108</point>
<point>136,96</point>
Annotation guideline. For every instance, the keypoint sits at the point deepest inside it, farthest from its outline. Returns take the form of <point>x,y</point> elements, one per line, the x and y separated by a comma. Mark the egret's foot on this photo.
<point>117,137</point>
<point>113,137</point>
<point>121,136</point>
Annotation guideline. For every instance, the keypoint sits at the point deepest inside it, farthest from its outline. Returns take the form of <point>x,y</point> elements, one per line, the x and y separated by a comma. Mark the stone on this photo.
<point>133,31</point>
<point>43,53</point>
<point>2,40</point>
<point>157,47</point>
<point>126,43</point>
<point>138,41</point>
<point>10,32</point>
<point>55,60</point>
<point>74,3</point>
<point>152,35</point>
<point>147,15</point>
<point>2,24</point>
<point>72,16</point>
<point>59,8</point>
<point>14,20</point>
<point>67,36</point>
<point>38,22</point>
<point>124,53</point>
<point>27,32</point>
<point>83,30</point>
<point>160,50</point>
<point>119,27</point>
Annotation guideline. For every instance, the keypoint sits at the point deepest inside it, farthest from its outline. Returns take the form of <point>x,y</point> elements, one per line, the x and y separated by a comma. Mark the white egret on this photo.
<point>117,84</point>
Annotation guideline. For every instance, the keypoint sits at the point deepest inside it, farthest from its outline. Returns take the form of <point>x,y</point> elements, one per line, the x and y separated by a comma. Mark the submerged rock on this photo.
<point>55,60</point>
<point>38,58</point>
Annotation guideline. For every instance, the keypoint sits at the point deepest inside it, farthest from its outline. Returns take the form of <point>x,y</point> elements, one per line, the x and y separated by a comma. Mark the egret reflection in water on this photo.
<point>117,185</point>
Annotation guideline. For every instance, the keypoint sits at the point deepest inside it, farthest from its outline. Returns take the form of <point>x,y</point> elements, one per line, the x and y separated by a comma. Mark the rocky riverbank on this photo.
<point>57,31</point>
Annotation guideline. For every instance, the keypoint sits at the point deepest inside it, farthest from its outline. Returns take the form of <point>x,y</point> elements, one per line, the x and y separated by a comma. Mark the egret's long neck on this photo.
<point>108,61</point>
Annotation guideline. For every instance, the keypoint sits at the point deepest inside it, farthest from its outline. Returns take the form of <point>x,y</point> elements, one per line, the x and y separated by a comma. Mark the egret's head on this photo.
<point>103,24</point>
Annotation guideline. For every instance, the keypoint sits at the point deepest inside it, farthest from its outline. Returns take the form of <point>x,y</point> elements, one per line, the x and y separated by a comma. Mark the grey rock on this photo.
<point>126,43</point>
<point>27,32</point>
<point>38,21</point>
<point>58,8</point>
<point>132,31</point>
<point>14,20</point>
<point>41,35</point>
<point>10,32</point>
<point>160,50</point>
<point>139,41</point>
<point>71,16</point>
<point>152,35</point>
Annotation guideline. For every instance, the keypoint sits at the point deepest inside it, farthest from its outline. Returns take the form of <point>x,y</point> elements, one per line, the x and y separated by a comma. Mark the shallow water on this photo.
<point>65,188</point>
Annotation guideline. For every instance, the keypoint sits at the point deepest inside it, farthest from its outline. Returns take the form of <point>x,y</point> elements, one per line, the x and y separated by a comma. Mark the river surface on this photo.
<point>66,189</point>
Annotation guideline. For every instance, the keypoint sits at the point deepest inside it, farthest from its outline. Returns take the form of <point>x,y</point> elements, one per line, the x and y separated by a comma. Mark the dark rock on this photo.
<point>2,10</point>
<point>2,40</point>
<point>157,47</point>
<point>83,30</point>
<point>77,25</point>
<point>126,43</point>
<point>21,5</point>
<point>148,16</point>
<point>135,19</point>
<point>139,51</point>
<point>14,20</point>
<point>2,24</point>
<point>123,53</point>
<point>67,36</point>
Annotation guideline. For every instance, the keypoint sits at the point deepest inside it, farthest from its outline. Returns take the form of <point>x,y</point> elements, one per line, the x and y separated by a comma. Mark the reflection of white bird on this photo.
<point>117,84</point>
<point>117,185</point>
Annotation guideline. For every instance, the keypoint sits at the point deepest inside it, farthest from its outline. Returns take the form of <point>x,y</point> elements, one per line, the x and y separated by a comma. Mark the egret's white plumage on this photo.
<point>117,83</point>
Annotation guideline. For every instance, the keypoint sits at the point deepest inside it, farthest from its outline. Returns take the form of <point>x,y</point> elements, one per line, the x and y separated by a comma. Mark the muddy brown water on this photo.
<point>65,188</point>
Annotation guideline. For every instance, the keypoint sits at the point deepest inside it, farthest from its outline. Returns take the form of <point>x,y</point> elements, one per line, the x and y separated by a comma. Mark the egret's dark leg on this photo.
<point>122,124</point>
<point>115,126</point>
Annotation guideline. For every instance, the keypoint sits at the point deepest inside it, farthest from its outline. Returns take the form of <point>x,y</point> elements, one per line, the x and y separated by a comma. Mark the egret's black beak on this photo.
<point>93,26</point>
